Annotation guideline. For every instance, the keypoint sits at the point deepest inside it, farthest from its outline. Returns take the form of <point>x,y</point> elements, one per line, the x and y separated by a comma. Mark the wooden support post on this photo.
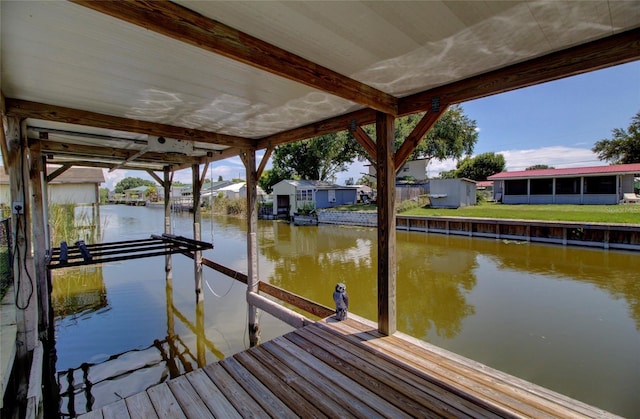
<point>386,224</point>
<point>40,245</point>
<point>201,357</point>
<point>197,260</point>
<point>249,159</point>
<point>45,201</point>
<point>96,214</point>
<point>168,268</point>
<point>23,272</point>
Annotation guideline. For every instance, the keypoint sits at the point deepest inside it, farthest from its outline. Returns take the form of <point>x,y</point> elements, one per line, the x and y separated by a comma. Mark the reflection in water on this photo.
<point>310,260</point>
<point>81,291</point>
<point>432,275</point>
<point>564,318</point>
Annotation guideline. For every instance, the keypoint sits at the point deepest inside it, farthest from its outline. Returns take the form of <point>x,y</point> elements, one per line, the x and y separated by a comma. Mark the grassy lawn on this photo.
<point>5,271</point>
<point>624,214</point>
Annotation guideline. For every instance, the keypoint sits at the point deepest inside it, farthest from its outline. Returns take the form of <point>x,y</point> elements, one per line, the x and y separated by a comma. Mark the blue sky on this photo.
<point>555,123</point>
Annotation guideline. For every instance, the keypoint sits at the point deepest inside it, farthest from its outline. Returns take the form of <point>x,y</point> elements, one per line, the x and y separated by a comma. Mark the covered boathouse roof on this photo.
<point>125,84</point>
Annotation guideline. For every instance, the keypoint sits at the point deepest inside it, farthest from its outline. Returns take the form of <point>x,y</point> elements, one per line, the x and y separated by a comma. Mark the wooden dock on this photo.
<point>346,369</point>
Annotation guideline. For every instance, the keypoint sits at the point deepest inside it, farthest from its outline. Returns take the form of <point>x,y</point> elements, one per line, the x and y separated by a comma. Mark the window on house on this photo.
<point>515,187</point>
<point>568,186</point>
<point>600,185</point>
<point>304,195</point>
<point>541,186</point>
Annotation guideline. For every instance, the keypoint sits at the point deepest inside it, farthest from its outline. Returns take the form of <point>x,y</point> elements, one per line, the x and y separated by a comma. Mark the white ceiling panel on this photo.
<point>64,54</point>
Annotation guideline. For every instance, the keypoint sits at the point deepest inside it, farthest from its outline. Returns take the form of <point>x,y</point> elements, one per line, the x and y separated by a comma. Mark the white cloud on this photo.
<point>556,156</point>
<point>112,178</point>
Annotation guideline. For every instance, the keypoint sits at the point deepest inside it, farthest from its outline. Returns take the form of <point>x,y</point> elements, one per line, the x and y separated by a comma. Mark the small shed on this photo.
<point>452,193</point>
<point>76,185</point>
<point>291,196</point>
<point>233,191</point>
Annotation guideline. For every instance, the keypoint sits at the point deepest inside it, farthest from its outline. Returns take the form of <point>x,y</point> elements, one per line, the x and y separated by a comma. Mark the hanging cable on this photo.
<point>214,293</point>
<point>210,196</point>
<point>17,247</point>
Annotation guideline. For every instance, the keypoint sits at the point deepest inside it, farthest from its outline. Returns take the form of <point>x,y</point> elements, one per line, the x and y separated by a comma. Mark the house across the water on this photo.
<point>594,185</point>
<point>291,196</point>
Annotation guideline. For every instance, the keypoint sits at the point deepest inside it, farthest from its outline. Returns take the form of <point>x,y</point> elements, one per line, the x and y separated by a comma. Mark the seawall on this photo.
<point>604,235</point>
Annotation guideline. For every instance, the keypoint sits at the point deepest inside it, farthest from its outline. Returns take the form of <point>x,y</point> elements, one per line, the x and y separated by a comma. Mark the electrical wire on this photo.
<point>223,295</point>
<point>17,248</point>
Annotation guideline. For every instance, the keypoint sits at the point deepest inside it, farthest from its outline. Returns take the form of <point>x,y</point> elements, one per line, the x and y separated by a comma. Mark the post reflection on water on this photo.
<point>81,293</point>
<point>565,318</point>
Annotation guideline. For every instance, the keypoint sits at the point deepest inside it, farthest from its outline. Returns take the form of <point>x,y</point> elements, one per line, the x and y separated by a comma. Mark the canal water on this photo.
<point>564,318</point>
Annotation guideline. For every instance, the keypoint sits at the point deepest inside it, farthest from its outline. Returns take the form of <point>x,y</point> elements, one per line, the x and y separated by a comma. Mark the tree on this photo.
<point>104,195</point>
<point>319,158</point>
<point>132,182</point>
<point>454,135</point>
<point>539,167</point>
<point>367,180</point>
<point>623,147</point>
<point>270,177</point>
<point>481,166</point>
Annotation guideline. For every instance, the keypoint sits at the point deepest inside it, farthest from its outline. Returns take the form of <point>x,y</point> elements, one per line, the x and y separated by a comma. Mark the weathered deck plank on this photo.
<point>164,402</point>
<point>241,400</point>
<point>279,388</point>
<point>347,369</point>
<point>140,407</point>
<point>211,395</point>
<point>343,381</point>
<point>349,404</point>
<point>190,402</point>
<point>265,398</point>
<point>116,410</point>
<point>486,383</point>
<point>297,383</point>
<point>451,378</point>
<point>418,397</point>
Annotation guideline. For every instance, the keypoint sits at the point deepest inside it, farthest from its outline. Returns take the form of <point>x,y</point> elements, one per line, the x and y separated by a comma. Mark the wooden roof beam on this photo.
<point>222,155</point>
<point>415,136</point>
<point>25,109</point>
<point>3,141</point>
<point>60,170</point>
<point>365,141</point>
<point>119,156</point>
<point>263,162</point>
<point>187,26</point>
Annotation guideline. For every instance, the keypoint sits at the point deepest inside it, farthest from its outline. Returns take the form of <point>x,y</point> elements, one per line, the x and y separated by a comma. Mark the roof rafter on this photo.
<point>118,156</point>
<point>187,26</point>
<point>25,109</point>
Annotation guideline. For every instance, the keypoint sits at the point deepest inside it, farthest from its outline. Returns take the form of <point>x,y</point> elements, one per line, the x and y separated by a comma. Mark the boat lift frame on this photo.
<point>91,254</point>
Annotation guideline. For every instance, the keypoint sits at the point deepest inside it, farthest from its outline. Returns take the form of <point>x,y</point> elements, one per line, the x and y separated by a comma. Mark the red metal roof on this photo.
<point>484,183</point>
<point>617,169</point>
